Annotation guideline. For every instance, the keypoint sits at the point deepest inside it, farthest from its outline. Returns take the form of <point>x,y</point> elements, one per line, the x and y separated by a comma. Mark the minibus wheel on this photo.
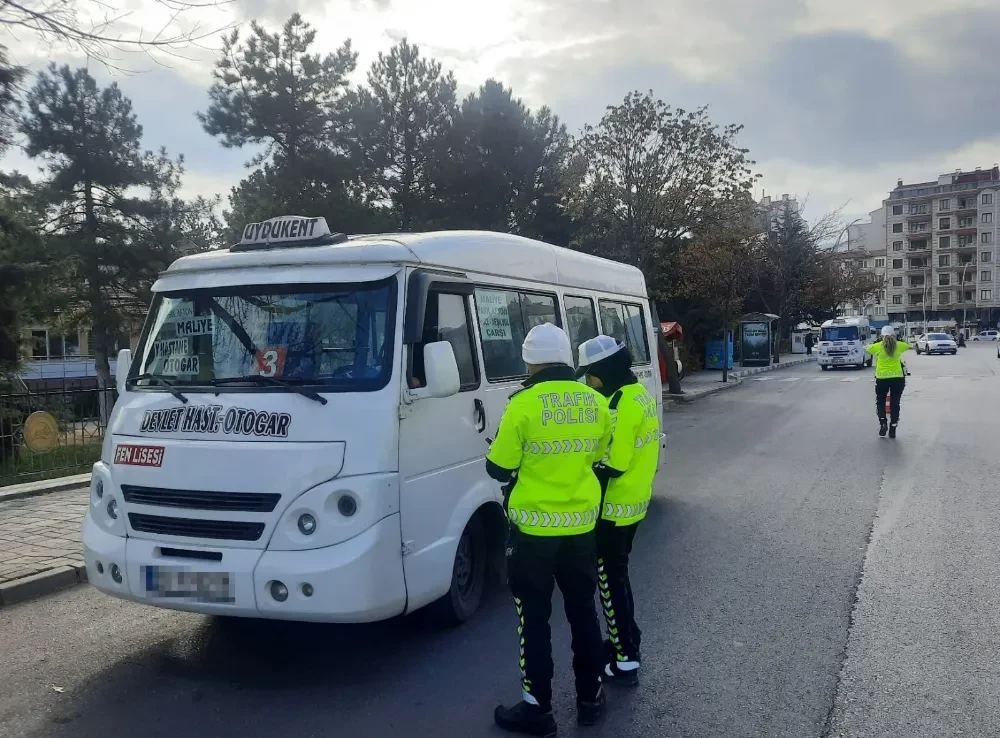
<point>468,577</point>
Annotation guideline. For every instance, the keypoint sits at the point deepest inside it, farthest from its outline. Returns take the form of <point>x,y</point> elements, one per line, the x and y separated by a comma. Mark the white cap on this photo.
<point>888,330</point>
<point>597,349</point>
<point>547,344</point>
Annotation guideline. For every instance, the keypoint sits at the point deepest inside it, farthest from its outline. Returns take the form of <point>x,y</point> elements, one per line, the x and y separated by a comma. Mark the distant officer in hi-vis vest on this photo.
<point>551,435</point>
<point>626,476</point>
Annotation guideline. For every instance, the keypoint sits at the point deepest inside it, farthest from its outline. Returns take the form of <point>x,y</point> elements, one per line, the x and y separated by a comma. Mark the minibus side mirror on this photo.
<point>121,369</point>
<point>441,369</point>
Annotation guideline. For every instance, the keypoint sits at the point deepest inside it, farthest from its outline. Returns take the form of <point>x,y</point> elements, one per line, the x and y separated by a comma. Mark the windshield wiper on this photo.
<point>272,381</point>
<point>160,380</point>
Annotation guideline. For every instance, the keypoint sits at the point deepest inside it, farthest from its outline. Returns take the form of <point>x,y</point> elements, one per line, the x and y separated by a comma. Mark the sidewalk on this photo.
<point>708,382</point>
<point>40,548</point>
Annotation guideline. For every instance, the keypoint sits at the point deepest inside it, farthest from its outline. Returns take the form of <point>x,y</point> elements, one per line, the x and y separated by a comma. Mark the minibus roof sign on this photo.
<point>287,231</point>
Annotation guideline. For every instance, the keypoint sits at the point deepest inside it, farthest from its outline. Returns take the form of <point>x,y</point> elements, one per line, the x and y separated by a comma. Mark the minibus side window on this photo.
<point>505,317</point>
<point>581,321</point>
<point>446,319</point>
<point>627,323</point>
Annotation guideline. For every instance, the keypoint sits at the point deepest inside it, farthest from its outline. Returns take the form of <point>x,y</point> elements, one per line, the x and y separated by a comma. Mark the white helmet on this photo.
<point>888,330</point>
<point>597,349</point>
<point>547,344</point>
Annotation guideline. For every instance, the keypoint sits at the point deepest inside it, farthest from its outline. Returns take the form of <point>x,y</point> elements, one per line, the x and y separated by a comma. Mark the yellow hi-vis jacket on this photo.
<point>633,455</point>
<point>552,433</point>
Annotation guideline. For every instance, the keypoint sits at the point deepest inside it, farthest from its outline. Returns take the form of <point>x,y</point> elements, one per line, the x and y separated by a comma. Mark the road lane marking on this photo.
<point>820,379</point>
<point>849,379</point>
<point>790,379</point>
<point>762,379</point>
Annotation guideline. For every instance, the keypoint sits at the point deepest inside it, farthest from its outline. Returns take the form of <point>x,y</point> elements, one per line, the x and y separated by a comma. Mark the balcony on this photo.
<point>918,269</point>
<point>916,288</point>
<point>915,217</point>
<point>967,245</point>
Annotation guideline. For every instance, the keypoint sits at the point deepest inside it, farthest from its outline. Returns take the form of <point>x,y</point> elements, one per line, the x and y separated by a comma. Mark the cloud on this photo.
<point>838,98</point>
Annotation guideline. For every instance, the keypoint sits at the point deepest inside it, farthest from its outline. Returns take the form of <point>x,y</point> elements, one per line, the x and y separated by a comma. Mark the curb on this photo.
<point>733,383</point>
<point>43,583</point>
<point>735,380</point>
<point>34,489</point>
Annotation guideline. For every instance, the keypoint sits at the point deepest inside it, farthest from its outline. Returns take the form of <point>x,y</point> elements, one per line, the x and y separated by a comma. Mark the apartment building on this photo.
<point>940,251</point>
<point>773,208</point>
<point>864,245</point>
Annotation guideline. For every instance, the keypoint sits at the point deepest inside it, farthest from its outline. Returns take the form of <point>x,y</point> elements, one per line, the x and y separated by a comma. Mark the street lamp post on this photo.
<point>927,272</point>
<point>965,303</point>
<point>847,231</point>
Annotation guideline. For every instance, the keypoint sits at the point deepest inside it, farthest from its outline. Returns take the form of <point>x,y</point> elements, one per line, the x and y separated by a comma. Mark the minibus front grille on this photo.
<point>226,530</point>
<point>201,500</point>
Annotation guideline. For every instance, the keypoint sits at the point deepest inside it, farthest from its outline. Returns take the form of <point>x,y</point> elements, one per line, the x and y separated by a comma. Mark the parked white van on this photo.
<point>302,430</point>
<point>842,342</point>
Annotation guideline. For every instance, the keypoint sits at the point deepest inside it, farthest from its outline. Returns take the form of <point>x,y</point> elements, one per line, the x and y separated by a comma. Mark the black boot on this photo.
<point>623,678</point>
<point>588,712</point>
<point>527,719</point>
<point>883,426</point>
<point>892,430</point>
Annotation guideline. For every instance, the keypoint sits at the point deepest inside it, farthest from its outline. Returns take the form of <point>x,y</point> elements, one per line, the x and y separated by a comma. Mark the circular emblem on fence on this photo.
<point>41,431</point>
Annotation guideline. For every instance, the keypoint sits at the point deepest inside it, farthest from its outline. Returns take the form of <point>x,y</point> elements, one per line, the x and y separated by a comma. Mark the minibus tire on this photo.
<point>468,577</point>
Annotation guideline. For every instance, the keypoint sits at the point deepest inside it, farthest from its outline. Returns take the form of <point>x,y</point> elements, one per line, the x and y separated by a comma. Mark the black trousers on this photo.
<point>534,565</point>
<point>894,389</point>
<point>614,546</point>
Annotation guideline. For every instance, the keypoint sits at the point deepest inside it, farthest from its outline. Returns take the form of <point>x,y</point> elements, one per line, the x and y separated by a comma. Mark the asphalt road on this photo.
<point>781,510</point>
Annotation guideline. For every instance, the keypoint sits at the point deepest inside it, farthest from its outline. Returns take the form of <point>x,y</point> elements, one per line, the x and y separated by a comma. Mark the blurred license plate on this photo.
<point>201,586</point>
<point>838,361</point>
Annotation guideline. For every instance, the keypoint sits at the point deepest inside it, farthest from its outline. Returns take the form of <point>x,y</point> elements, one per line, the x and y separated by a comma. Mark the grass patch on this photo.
<point>61,461</point>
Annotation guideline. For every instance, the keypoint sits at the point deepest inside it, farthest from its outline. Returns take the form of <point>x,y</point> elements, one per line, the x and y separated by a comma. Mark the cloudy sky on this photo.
<point>839,97</point>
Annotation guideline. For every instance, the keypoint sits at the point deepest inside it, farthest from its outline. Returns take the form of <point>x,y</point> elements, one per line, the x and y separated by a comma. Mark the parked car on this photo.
<point>986,336</point>
<point>936,343</point>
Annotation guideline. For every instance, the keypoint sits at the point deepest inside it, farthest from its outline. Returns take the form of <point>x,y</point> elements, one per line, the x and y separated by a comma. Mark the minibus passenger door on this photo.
<point>441,441</point>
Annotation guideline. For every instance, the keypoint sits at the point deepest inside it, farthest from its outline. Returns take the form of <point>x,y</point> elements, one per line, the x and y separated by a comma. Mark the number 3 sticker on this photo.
<point>271,361</point>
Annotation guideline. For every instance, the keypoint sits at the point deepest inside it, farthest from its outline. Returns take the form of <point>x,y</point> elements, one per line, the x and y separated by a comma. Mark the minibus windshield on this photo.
<point>335,336</point>
<point>839,333</point>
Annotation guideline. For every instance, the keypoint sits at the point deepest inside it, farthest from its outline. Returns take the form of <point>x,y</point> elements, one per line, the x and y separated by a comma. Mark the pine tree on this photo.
<point>271,92</point>
<point>401,127</point>
<point>504,167</point>
<point>110,207</point>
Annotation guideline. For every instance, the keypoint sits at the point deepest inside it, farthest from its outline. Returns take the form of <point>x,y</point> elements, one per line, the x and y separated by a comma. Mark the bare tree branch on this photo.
<point>63,22</point>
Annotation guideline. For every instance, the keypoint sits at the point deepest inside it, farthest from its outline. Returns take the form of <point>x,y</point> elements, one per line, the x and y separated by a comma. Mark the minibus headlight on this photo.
<point>307,524</point>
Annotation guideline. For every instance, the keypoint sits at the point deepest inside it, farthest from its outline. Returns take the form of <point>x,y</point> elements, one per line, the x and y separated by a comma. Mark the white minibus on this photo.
<point>301,431</point>
<point>842,342</point>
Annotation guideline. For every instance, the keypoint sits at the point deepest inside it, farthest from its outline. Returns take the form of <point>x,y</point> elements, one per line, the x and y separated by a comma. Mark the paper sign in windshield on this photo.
<point>181,365</point>
<point>202,326</point>
<point>171,347</point>
<point>493,315</point>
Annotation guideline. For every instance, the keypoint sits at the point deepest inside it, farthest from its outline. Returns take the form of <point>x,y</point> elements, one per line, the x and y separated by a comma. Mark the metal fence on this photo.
<point>75,404</point>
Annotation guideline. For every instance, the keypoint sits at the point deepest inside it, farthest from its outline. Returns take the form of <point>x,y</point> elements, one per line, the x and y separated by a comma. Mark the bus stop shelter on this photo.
<point>758,340</point>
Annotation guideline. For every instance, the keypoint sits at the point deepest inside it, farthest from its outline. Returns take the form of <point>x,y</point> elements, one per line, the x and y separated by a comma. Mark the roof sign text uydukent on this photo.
<point>285,229</point>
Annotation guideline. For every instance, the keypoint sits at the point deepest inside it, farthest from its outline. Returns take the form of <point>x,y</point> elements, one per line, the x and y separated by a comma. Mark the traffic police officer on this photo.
<point>550,436</point>
<point>626,476</point>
